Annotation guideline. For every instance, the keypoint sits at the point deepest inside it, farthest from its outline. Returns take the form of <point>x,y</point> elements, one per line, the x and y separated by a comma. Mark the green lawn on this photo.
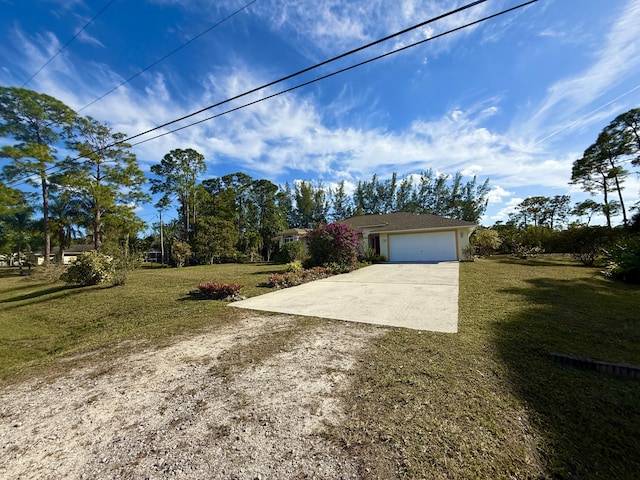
<point>40,322</point>
<point>488,402</point>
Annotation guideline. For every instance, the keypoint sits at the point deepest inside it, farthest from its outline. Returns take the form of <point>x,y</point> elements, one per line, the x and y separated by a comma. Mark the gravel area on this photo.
<point>199,409</point>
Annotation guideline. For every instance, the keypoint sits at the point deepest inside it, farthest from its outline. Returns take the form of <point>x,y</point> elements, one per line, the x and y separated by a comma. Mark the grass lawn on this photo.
<point>40,322</point>
<point>488,402</point>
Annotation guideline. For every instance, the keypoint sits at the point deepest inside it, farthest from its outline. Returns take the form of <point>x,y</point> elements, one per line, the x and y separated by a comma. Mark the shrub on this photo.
<point>292,251</point>
<point>370,256</point>
<point>90,268</point>
<point>586,244</point>
<point>486,241</point>
<point>180,253</point>
<point>295,266</point>
<point>291,279</point>
<point>220,291</point>
<point>524,251</point>
<point>335,243</point>
<point>124,262</point>
<point>49,273</point>
<point>624,260</point>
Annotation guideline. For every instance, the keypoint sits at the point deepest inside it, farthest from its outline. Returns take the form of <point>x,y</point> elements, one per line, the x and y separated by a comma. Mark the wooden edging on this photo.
<point>618,369</point>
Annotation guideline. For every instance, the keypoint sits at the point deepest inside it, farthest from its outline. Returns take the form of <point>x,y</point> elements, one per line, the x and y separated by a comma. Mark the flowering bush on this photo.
<point>220,291</point>
<point>291,279</point>
<point>89,268</point>
<point>295,266</point>
<point>336,244</point>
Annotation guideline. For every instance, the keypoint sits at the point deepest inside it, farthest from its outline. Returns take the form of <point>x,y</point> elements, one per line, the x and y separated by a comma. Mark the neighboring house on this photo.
<point>407,237</point>
<point>153,255</point>
<point>291,235</point>
<point>68,255</point>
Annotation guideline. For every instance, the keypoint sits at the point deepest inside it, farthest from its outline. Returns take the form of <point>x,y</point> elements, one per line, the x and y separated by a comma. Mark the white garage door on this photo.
<point>422,247</point>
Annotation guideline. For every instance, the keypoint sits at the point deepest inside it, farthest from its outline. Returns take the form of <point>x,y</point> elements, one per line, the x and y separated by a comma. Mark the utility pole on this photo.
<point>161,241</point>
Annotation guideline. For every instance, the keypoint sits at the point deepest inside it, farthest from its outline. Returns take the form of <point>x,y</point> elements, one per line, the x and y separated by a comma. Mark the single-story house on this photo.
<point>68,255</point>
<point>291,235</point>
<point>408,237</point>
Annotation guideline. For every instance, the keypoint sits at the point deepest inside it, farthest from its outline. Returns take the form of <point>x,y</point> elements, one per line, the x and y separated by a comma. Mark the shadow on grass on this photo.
<point>590,421</point>
<point>45,294</point>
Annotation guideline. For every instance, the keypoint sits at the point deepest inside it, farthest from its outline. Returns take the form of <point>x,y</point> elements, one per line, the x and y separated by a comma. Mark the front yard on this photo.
<point>488,402</point>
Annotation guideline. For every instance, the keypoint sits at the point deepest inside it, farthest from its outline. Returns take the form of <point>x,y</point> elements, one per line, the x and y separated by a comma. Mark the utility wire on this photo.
<point>287,77</point>
<point>503,12</point>
<point>168,55</point>
<point>68,42</point>
<point>308,69</point>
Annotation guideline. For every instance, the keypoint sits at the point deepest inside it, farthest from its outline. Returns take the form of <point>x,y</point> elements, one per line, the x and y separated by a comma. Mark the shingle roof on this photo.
<point>391,222</point>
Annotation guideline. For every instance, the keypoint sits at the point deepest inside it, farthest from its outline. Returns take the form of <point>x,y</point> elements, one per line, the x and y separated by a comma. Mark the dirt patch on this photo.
<point>250,400</point>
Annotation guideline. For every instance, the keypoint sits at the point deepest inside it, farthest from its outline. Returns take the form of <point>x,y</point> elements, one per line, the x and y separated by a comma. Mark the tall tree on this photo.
<point>178,172</point>
<point>37,122</point>
<point>105,176</point>
<point>626,127</point>
<point>599,170</point>
<point>341,204</point>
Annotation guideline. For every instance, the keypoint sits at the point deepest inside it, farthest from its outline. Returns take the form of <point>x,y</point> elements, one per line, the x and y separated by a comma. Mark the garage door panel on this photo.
<point>422,247</point>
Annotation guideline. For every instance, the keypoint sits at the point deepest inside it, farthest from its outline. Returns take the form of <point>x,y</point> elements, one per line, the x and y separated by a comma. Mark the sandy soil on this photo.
<point>190,410</point>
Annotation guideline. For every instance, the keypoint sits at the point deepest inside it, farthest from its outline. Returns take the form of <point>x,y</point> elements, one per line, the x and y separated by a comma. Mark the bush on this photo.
<point>370,256</point>
<point>49,273</point>
<point>220,291</point>
<point>586,244</point>
<point>335,244</point>
<point>90,268</point>
<point>295,266</point>
<point>292,251</point>
<point>624,260</point>
<point>526,251</point>
<point>180,253</point>
<point>291,279</point>
<point>124,262</point>
<point>486,241</point>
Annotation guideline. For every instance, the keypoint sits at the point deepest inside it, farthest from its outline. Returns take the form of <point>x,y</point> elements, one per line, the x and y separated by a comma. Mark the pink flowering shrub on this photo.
<point>334,244</point>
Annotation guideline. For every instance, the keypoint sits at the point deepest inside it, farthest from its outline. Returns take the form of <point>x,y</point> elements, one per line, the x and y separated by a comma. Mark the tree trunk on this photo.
<point>97,241</point>
<point>605,210</point>
<point>45,217</point>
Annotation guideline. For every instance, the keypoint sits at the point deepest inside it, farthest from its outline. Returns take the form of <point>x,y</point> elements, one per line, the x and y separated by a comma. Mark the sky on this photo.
<point>515,99</point>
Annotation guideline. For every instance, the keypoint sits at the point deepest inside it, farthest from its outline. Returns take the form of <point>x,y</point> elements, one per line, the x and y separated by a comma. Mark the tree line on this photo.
<point>89,185</point>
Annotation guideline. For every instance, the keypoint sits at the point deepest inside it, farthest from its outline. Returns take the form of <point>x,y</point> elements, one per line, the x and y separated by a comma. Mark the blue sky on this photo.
<point>516,99</point>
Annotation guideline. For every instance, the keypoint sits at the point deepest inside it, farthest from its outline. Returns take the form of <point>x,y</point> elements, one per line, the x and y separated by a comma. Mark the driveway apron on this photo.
<point>421,296</point>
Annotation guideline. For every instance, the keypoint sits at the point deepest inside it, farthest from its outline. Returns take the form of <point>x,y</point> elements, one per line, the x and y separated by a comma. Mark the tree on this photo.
<point>311,205</point>
<point>214,240</point>
<point>105,176</point>
<point>587,208</point>
<point>341,204</point>
<point>38,122</point>
<point>178,172</point>
<point>626,127</point>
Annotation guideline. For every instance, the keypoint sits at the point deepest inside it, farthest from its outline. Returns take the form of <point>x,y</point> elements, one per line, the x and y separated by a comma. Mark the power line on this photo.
<point>313,67</point>
<point>68,42</point>
<point>317,79</point>
<point>287,77</point>
<point>163,58</point>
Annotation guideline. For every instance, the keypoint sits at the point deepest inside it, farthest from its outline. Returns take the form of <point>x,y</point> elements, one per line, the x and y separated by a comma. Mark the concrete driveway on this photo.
<point>422,296</point>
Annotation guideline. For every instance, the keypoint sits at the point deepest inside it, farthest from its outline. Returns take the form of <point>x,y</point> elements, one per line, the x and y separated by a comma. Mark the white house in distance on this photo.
<point>291,235</point>
<point>409,237</point>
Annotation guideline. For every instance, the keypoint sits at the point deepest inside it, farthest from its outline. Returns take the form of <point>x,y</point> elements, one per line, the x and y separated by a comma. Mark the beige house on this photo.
<point>408,237</point>
<point>68,255</point>
<point>291,235</point>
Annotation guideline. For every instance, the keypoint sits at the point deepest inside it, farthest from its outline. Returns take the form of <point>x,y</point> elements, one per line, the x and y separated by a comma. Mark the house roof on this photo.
<point>70,250</point>
<point>398,221</point>
<point>294,231</point>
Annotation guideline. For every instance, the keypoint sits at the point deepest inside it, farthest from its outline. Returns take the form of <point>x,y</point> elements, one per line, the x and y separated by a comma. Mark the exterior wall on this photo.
<point>462,236</point>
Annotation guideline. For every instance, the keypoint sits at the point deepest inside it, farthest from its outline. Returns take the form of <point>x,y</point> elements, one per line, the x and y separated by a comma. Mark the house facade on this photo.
<point>408,237</point>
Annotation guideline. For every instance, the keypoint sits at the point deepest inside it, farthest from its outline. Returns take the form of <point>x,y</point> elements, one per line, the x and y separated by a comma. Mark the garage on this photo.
<point>422,247</point>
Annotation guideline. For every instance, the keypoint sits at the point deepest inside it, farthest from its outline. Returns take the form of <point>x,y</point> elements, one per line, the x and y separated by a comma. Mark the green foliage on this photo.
<point>292,251</point>
<point>587,244</point>
<point>90,268</point>
<point>336,244</point>
<point>48,273</point>
<point>124,262</point>
<point>214,240</point>
<point>291,279</point>
<point>370,256</point>
<point>486,241</point>
<point>295,266</point>
<point>180,253</point>
<point>624,260</point>
<point>220,291</point>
